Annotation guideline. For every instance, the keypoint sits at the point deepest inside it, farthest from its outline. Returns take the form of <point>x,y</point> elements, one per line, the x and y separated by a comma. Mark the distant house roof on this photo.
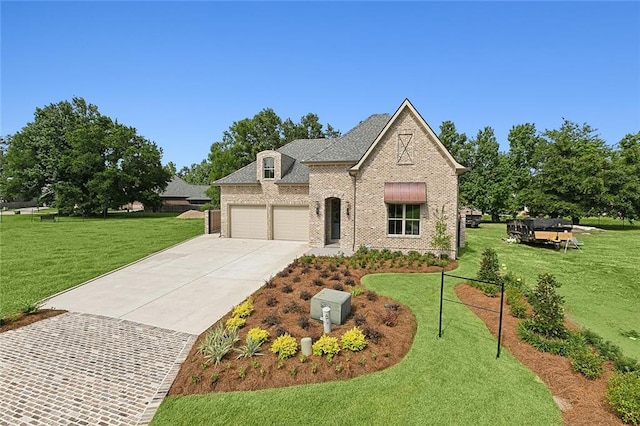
<point>178,188</point>
<point>348,148</point>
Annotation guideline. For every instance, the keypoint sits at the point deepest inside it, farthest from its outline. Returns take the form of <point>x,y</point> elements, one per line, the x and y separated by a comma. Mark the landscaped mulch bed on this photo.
<point>20,320</point>
<point>581,400</point>
<point>281,298</point>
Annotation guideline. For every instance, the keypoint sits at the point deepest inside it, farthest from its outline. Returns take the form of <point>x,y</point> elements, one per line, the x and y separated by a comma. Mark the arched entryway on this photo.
<point>332,220</point>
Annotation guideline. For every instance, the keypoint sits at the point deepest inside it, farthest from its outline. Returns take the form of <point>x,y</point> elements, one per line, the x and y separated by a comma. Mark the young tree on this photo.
<point>441,239</point>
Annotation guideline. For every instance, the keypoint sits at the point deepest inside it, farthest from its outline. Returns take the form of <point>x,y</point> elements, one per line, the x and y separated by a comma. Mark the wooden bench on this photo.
<point>51,217</point>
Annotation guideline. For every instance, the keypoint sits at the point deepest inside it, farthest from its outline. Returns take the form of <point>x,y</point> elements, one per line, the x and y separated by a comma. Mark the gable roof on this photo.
<point>178,188</point>
<point>406,104</point>
<point>297,173</point>
<point>350,147</point>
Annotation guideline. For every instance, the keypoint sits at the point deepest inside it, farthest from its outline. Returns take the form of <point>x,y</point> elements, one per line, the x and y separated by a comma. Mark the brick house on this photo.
<point>180,196</point>
<point>381,185</point>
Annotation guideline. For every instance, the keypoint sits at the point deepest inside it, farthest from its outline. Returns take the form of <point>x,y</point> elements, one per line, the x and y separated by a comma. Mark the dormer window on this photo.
<point>268,168</point>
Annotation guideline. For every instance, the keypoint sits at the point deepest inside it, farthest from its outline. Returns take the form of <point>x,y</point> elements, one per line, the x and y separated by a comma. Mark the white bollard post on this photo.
<point>305,344</point>
<point>326,319</point>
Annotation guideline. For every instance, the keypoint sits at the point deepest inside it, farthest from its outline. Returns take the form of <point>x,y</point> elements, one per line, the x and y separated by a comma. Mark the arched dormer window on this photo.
<point>268,168</point>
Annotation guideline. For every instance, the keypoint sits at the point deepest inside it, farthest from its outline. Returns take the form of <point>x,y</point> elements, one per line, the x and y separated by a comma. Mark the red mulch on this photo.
<point>263,372</point>
<point>25,319</point>
<point>586,398</point>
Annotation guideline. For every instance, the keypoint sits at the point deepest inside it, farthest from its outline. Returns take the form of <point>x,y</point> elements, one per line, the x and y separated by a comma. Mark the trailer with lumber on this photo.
<point>540,231</point>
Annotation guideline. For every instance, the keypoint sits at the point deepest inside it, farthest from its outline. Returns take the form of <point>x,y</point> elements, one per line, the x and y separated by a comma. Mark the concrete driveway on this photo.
<point>185,288</point>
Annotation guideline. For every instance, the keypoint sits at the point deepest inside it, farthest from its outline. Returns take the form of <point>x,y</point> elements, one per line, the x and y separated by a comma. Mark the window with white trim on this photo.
<point>403,219</point>
<point>268,168</point>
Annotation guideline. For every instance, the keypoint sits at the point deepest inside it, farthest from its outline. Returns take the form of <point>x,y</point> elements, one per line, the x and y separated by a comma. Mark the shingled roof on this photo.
<point>178,188</point>
<point>348,148</point>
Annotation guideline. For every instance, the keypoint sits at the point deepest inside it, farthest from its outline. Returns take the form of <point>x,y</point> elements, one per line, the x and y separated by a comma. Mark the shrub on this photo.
<point>543,344</point>
<point>217,343</point>
<point>296,279</point>
<point>281,331</point>
<point>353,340</point>
<point>258,334</point>
<point>271,320</point>
<point>293,307</point>
<point>326,345</point>
<point>287,288</point>
<point>587,362</point>
<point>338,286</point>
<point>251,348</point>
<point>626,364</point>
<point>548,310</point>
<point>359,319</point>
<point>284,346</point>
<point>372,334</point>
<point>372,296</point>
<point>516,302</point>
<point>303,322</point>
<point>305,295</point>
<point>282,274</point>
<point>324,274</point>
<point>623,394</point>
<point>489,267</point>
<point>350,282</point>
<point>271,300</point>
<point>305,270</point>
<point>346,272</point>
<point>269,284</point>
<point>318,282</point>
<point>244,309</point>
<point>356,291</point>
<point>235,322</point>
<point>389,317</point>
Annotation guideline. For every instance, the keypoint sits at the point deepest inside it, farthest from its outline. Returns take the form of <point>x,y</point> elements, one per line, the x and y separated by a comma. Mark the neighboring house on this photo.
<point>180,196</point>
<point>379,185</point>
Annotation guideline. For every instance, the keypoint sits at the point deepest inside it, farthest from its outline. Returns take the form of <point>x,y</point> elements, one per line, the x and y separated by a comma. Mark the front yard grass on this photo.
<point>453,380</point>
<point>39,259</point>
<point>600,282</point>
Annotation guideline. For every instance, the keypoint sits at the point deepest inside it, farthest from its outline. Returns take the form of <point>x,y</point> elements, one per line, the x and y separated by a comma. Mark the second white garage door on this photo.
<point>248,222</point>
<point>291,223</point>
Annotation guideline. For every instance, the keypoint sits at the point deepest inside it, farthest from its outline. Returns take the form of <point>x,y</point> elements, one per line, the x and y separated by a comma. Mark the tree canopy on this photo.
<point>565,172</point>
<point>245,139</point>
<point>81,161</point>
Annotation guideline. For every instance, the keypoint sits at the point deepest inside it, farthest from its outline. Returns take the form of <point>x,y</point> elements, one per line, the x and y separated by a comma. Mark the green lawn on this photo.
<point>38,259</point>
<point>453,380</point>
<point>600,282</point>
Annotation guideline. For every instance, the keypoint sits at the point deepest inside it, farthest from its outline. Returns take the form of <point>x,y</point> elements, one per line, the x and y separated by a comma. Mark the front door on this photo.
<point>335,219</point>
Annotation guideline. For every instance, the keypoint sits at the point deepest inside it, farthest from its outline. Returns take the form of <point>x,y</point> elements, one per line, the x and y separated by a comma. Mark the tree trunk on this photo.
<point>575,220</point>
<point>495,217</point>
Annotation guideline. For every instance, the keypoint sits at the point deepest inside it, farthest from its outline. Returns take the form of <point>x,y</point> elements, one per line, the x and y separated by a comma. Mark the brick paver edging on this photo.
<point>86,369</point>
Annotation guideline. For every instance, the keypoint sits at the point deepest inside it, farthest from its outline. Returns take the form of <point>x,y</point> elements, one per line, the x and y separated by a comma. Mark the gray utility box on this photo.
<point>338,301</point>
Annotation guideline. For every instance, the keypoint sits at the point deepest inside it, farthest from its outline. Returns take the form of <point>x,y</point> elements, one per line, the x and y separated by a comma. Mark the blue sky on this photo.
<point>181,73</point>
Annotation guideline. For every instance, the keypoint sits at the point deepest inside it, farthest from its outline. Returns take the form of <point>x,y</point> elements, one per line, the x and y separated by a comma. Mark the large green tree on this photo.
<point>247,137</point>
<point>524,162</point>
<point>81,161</point>
<point>486,186</point>
<point>624,178</point>
<point>572,179</point>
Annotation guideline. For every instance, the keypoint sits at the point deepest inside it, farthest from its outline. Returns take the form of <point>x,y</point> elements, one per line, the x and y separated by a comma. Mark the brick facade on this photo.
<point>405,151</point>
<point>265,193</point>
<point>389,162</point>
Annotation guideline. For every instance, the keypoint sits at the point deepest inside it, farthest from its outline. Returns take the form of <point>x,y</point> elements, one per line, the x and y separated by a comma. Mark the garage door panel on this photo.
<point>248,222</point>
<point>291,223</point>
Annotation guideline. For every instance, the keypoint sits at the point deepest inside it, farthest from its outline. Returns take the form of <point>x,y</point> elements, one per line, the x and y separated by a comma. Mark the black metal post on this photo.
<point>501,310</point>
<point>441,298</point>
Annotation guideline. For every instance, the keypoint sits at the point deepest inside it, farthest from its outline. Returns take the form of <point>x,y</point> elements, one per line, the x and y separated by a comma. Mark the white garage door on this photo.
<point>248,222</point>
<point>291,223</point>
